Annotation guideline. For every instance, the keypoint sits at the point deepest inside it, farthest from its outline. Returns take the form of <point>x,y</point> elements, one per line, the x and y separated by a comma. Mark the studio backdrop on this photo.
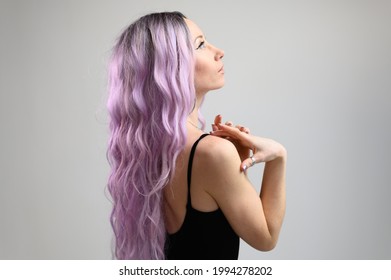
<point>313,75</point>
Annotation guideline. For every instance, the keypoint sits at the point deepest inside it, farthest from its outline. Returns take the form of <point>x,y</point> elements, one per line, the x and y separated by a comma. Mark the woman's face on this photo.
<point>209,71</point>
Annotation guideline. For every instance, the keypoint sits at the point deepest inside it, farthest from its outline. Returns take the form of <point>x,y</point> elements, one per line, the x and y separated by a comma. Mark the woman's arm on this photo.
<point>256,218</point>
<point>273,194</point>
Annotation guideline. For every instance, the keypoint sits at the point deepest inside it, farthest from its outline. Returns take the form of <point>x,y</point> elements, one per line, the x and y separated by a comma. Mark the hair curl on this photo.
<point>151,94</point>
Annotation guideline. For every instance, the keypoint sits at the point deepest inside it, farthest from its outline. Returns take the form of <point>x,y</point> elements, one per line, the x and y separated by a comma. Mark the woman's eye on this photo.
<point>201,45</point>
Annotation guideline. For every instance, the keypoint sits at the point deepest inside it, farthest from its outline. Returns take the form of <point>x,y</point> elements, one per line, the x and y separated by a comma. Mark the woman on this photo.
<point>179,193</point>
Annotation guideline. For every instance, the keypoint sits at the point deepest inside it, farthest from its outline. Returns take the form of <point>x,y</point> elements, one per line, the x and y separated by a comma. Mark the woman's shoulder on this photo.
<point>213,150</point>
<point>213,144</point>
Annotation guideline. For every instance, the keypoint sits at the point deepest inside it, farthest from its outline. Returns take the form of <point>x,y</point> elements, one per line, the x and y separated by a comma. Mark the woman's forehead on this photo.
<point>194,29</point>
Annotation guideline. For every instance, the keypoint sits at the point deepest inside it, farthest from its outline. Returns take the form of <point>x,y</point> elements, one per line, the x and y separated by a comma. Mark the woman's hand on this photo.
<point>263,149</point>
<point>262,214</point>
<point>243,151</point>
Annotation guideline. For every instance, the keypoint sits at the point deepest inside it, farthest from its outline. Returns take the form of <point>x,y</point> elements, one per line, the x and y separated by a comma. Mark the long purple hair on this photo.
<point>151,94</point>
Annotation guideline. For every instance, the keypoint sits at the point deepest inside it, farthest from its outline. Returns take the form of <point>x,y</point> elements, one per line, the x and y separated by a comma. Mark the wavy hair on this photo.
<point>151,94</point>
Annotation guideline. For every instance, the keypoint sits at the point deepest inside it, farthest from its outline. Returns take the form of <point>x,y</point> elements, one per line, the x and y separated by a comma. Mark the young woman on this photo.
<point>177,192</point>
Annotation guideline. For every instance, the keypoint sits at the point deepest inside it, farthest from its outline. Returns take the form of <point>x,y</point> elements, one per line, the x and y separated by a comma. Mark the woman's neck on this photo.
<point>193,117</point>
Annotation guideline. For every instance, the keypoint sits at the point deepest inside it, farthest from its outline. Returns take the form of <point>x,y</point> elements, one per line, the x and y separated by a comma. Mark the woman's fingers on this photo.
<point>243,129</point>
<point>248,162</point>
<point>228,129</point>
<point>263,149</point>
<point>218,119</point>
<point>233,133</point>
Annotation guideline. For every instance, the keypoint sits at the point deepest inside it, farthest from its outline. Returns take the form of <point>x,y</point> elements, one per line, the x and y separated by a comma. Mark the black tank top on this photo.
<point>203,235</point>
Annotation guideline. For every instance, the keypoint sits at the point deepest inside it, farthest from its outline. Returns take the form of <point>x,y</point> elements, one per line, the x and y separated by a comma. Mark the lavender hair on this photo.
<point>151,94</point>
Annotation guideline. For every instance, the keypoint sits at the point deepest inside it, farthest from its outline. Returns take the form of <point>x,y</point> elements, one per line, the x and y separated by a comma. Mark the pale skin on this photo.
<point>221,161</point>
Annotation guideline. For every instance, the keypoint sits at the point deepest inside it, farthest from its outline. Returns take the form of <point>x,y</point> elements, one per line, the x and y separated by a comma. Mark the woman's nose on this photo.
<point>219,53</point>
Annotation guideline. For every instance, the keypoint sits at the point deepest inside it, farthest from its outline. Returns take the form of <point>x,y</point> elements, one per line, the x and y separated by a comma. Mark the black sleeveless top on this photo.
<point>203,235</point>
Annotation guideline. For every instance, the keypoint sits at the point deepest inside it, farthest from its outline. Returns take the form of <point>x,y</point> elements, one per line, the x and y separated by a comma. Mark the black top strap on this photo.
<point>190,167</point>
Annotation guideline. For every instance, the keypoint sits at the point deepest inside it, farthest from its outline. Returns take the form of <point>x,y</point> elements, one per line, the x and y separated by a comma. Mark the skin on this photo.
<point>219,177</point>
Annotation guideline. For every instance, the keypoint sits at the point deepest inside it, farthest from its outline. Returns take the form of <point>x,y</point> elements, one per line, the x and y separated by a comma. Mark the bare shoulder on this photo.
<point>218,164</point>
<point>219,176</point>
<point>215,149</point>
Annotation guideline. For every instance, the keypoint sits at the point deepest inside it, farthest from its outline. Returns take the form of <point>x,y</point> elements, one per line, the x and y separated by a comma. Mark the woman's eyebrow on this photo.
<point>199,36</point>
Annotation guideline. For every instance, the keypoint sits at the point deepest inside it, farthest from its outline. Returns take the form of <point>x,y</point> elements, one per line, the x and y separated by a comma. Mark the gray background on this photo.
<point>314,75</point>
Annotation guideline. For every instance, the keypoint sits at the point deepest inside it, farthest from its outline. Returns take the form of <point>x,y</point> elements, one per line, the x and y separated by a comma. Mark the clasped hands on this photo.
<point>262,149</point>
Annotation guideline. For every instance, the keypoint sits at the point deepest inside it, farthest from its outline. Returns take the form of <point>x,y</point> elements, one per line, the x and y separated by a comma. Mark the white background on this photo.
<point>314,75</point>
